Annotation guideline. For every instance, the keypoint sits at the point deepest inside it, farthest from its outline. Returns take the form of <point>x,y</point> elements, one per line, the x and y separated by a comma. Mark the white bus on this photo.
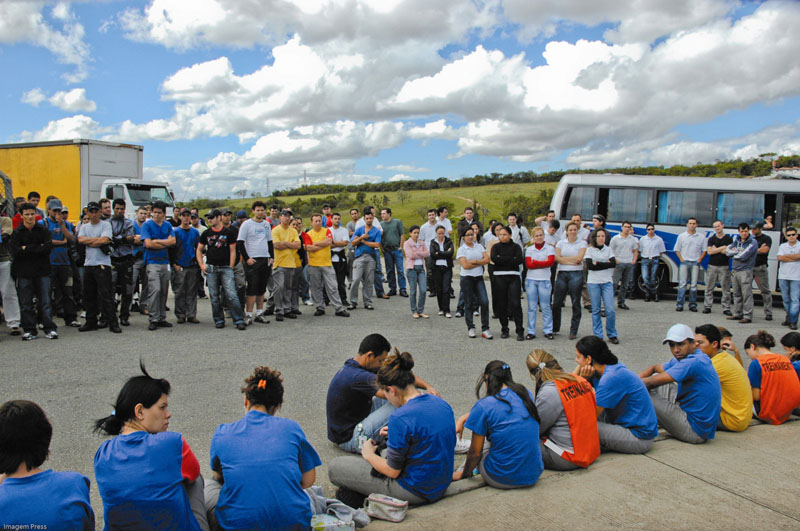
<point>668,202</point>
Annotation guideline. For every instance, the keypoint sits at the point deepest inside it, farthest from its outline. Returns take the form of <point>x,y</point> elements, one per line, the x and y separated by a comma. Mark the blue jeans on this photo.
<point>377,419</point>
<point>568,282</point>
<point>394,269</point>
<point>378,277</point>
<point>790,293</point>
<point>304,286</point>
<point>222,277</point>
<point>605,292</point>
<point>474,290</point>
<point>539,294</point>
<point>29,288</point>
<point>649,269</point>
<point>417,288</point>
<point>687,274</point>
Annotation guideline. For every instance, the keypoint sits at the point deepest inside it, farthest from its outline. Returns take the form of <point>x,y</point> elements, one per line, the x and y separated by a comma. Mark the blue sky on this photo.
<point>368,90</point>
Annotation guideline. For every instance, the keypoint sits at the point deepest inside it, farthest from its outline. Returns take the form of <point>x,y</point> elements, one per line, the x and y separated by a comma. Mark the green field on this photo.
<point>489,198</point>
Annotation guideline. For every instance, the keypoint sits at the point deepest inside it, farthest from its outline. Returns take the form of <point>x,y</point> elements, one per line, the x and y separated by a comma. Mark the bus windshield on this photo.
<point>141,194</point>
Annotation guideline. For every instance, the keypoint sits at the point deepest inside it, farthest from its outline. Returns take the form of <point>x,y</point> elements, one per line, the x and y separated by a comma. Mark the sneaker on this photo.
<point>424,316</point>
<point>623,306</point>
<point>476,313</point>
<point>369,307</point>
<point>768,318</point>
<point>74,324</point>
<point>248,320</point>
<point>180,320</point>
<point>462,445</point>
<point>448,315</point>
<point>520,337</point>
<point>471,332</point>
<point>352,306</point>
<point>164,324</point>
<point>87,327</point>
<point>613,340</point>
<point>530,337</point>
<point>260,319</point>
<point>459,314</point>
<point>504,334</point>
<point>192,320</point>
<point>297,312</point>
<point>727,312</point>
<point>706,310</point>
<point>52,334</point>
<point>279,317</point>
<point>793,326</point>
<point>219,325</point>
<point>549,336</point>
<point>487,335</point>
<point>27,336</point>
<point>124,322</point>
<point>679,308</point>
<point>16,331</point>
<point>308,302</point>
<point>440,312</point>
<point>83,314</point>
<point>152,326</point>
<point>241,326</point>
<point>290,315</point>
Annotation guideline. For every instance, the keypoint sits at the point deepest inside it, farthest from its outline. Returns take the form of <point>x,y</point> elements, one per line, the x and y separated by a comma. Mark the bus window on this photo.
<point>675,207</point>
<point>791,213</point>
<point>628,205</point>
<point>735,208</point>
<point>580,200</point>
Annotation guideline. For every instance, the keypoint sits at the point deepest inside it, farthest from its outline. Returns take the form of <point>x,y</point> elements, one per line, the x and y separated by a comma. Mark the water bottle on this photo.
<point>362,437</point>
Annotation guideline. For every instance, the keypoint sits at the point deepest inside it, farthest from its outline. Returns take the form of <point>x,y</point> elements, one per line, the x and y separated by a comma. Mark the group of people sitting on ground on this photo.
<point>406,433</point>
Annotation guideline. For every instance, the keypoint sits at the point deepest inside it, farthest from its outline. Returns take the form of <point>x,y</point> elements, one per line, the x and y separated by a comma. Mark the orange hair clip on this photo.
<point>262,384</point>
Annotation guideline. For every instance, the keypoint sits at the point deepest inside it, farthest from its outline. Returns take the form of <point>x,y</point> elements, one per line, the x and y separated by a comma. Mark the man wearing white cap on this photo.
<point>689,411</point>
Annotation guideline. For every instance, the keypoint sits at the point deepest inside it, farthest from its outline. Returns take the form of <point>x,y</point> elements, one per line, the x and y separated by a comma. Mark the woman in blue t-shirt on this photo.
<point>508,419</point>
<point>626,419</point>
<point>418,464</point>
<point>261,464</point>
<point>144,472</point>
<point>29,495</point>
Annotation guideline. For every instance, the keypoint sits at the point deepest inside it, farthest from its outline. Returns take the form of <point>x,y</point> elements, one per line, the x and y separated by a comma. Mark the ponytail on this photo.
<point>396,370</point>
<point>144,390</point>
<point>543,367</point>
<point>762,339</point>
<point>497,374</point>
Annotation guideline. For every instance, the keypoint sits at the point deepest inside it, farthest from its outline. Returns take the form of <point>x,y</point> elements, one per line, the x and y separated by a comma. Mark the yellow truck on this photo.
<point>78,171</point>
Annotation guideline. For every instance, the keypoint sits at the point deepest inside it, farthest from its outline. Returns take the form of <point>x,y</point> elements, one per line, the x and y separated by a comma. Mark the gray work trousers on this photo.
<point>616,438</point>
<point>284,283</point>
<point>670,414</point>
<point>352,472</point>
<point>743,293</point>
<point>157,291</point>
<point>184,286</point>
<point>139,274</point>
<point>324,278</point>
<point>715,274</point>
<point>761,276</point>
<point>553,461</point>
<point>364,273</point>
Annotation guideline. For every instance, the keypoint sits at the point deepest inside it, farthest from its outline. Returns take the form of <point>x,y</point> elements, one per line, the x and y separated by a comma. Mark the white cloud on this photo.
<point>77,126</point>
<point>400,177</point>
<point>26,21</point>
<point>401,167</point>
<point>33,97</point>
<point>73,101</point>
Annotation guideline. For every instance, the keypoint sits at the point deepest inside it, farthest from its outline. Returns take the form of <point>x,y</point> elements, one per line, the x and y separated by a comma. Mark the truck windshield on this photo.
<point>141,194</point>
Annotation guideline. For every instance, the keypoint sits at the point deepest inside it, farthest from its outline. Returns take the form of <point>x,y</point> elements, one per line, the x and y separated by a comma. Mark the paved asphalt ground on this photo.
<point>77,377</point>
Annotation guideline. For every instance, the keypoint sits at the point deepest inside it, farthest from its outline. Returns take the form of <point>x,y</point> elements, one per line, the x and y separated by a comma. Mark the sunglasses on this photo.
<point>648,230</point>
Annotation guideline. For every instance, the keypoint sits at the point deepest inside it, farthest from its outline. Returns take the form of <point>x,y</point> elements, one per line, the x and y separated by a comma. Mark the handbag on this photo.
<point>385,507</point>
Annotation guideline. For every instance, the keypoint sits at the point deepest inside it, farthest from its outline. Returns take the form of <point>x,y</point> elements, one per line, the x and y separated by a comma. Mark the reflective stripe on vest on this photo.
<point>780,388</point>
<point>581,410</point>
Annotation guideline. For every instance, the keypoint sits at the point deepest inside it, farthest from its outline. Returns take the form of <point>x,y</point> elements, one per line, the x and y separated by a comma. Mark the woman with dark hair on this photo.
<point>508,419</point>
<point>441,250</point>
<point>569,279</point>
<point>143,472</point>
<point>53,500</point>
<point>259,446</point>
<point>416,252</point>
<point>600,262</point>
<point>472,257</point>
<point>627,421</point>
<point>791,344</point>
<point>568,413</point>
<point>776,387</point>
<point>420,444</point>
<point>507,257</point>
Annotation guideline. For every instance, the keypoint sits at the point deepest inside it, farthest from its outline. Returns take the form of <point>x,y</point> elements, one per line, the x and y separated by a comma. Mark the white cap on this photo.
<point>678,333</point>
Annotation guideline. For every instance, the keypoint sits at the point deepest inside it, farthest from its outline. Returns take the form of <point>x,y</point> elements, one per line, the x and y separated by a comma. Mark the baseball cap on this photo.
<point>286,212</point>
<point>214,212</point>
<point>185,210</point>
<point>55,204</point>
<point>601,217</point>
<point>678,333</point>
<point>241,214</point>
<point>758,225</point>
<point>93,205</point>
<point>225,210</point>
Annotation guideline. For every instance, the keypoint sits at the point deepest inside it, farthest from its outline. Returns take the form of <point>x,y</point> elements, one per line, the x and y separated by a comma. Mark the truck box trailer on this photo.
<point>78,171</point>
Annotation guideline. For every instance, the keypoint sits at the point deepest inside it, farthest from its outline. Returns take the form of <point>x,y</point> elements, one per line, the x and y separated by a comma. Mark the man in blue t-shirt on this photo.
<point>366,242</point>
<point>354,398</point>
<point>689,411</point>
<point>62,233</point>
<point>185,272</point>
<point>158,237</point>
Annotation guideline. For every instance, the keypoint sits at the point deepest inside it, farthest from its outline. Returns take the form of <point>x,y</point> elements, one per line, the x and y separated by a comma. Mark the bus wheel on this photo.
<point>662,278</point>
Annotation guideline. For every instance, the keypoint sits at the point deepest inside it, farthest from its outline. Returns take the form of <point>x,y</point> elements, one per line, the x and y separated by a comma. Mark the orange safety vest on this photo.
<point>581,410</point>
<point>780,388</point>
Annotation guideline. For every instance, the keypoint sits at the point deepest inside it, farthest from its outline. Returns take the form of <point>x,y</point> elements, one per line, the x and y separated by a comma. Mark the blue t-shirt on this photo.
<point>349,400</point>
<point>374,236</point>
<point>796,365</point>
<point>626,401</point>
<point>514,457</point>
<point>137,229</point>
<point>58,253</point>
<point>151,231</point>
<point>186,245</point>
<point>699,391</point>
<point>262,459</point>
<point>139,478</point>
<point>55,500</point>
<point>421,444</point>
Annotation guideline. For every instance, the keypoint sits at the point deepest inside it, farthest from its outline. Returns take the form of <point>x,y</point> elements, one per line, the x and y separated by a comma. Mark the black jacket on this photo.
<point>506,256</point>
<point>34,260</point>
<point>442,252</point>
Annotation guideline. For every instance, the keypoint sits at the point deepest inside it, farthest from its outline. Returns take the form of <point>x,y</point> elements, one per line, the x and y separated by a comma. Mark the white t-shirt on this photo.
<point>487,238</point>
<point>427,232</point>
<point>375,223</point>
<point>651,247</point>
<point>446,224</point>
<point>341,235</point>
<point>551,239</point>
<point>570,249</point>
<point>540,255</point>
<point>256,236</point>
<point>600,255</point>
<point>95,256</point>
<point>471,253</point>
<point>789,270</point>
<point>623,247</point>
<point>691,246</point>
<point>441,261</point>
